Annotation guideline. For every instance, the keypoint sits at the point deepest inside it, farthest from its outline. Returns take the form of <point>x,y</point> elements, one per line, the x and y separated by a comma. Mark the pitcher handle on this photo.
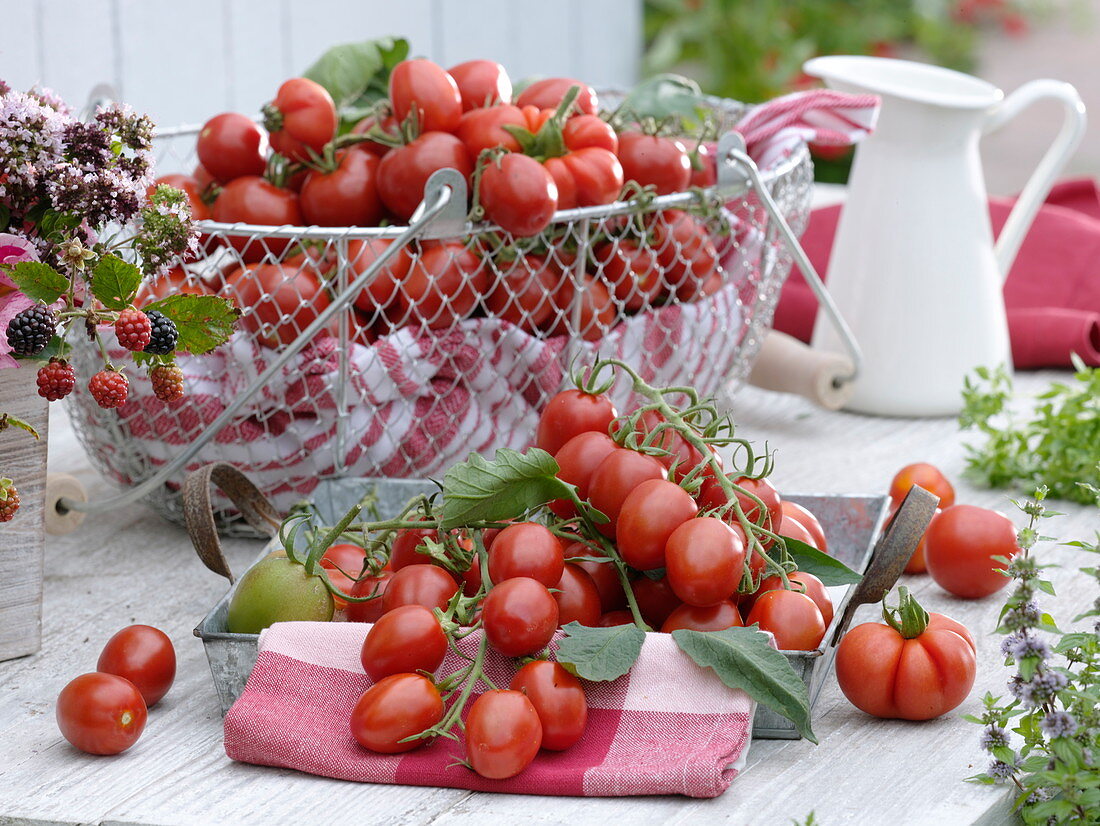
<point>1035,192</point>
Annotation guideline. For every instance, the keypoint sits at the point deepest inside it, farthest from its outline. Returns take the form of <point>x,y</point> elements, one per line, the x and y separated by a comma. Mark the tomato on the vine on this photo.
<point>481,129</point>
<point>425,87</point>
<point>481,83</point>
<point>399,706</point>
<point>577,460</point>
<point>101,713</point>
<point>403,549</point>
<point>808,521</point>
<point>559,701</point>
<point>282,302</point>
<point>301,119</point>
<point>442,286</point>
<point>143,655</point>
<point>518,194</point>
<point>519,616</point>
<point>703,618</point>
<point>405,170</point>
<point>793,618</point>
<point>655,598</point>
<point>503,734</point>
<point>810,584</point>
<point>370,610</point>
<point>681,457</point>
<point>617,617</point>
<point>649,515</point>
<point>960,546</point>
<point>549,93</point>
<point>577,596</point>
<point>570,413</point>
<point>253,200</point>
<point>345,197</point>
<point>791,528</point>
<point>654,161</point>
<point>711,495</point>
<point>408,638</point>
<point>230,145</point>
<point>705,560</point>
<point>605,575</point>
<point>526,549</point>
<point>616,477</point>
<point>424,585</point>
<point>374,124</point>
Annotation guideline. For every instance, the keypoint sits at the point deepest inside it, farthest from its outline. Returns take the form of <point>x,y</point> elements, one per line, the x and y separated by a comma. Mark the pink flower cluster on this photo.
<point>13,249</point>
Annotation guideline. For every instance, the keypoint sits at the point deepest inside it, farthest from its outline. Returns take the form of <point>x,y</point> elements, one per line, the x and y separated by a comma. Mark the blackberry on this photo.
<point>9,500</point>
<point>165,335</point>
<point>56,380</point>
<point>31,330</point>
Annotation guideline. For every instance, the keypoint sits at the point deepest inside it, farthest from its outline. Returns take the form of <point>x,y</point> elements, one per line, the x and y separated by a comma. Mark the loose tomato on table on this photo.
<point>654,161</point>
<point>705,560</point>
<point>346,196</point>
<point>559,701</point>
<point>503,734</point>
<point>405,170</point>
<point>409,638</point>
<point>651,512</point>
<point>481,83</point>
<point>792,617</point>
<point>570,413</point>
<point>517,194</point>
<point>230,146</point>
<point>616,477</point>
<point>424,89</point>
<point>549,93</point>
<point>703,618</point>
<point>420,584</point>
<point>281,302</point>
<point>301,119</point>
<point>253,200</point>
<point>926,476</point>
<point>960,546</point>
<point>577,596</point>
<point>526,549</point>
<point>442,286</point>
<point>523,292</point>
<point>101,713</point>
<point>143,655</point>
<point>397,707</point>
<point>519,616</point>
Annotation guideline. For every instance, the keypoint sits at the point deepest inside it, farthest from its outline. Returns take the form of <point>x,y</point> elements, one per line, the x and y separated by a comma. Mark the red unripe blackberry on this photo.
<point>133,329</point>
<point>56,380</point>
<point>109,388</point>
<point>9,500</point>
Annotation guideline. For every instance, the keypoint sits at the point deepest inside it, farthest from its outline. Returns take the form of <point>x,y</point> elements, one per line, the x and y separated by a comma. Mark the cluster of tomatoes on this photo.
<point>105,711</point>
<point>524,158</point>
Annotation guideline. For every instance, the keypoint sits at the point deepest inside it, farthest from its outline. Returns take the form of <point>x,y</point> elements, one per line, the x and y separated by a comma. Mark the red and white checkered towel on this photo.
<point>667,727</point>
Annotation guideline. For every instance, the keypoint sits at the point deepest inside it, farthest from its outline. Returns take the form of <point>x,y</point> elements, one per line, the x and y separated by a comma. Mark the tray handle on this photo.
<point>891,553</point>
<point>198,513</point>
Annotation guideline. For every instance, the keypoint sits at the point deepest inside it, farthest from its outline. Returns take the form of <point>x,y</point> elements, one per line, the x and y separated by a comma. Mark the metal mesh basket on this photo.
<point>456,342</point>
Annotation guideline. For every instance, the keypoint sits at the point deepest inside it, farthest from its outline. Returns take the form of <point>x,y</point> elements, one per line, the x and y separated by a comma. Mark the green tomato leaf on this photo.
<point>38,281</point>
<point>512,483</point>
<point>115,282</point>
<point>742,658</point>
<point>8,420</point>
<point>599,654</point>
<point>829,570</point>
<point>355,74</point>
<point>204,321</point>
<point>665,95</point>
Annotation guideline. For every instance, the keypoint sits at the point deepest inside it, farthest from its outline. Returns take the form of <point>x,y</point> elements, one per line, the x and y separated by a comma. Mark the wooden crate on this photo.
<point>22,540</point>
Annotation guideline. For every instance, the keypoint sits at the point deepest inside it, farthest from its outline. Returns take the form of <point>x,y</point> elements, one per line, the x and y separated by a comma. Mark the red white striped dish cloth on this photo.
<point>667,727</point>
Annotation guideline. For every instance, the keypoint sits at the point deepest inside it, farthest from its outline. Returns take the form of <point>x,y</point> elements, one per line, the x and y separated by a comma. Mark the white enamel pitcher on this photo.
<point>914,269</point>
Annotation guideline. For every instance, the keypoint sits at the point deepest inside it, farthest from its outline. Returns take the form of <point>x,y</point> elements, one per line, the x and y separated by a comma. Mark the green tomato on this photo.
<point>277,589</point>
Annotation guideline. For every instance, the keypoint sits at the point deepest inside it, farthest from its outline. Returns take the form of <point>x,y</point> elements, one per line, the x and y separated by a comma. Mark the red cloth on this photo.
<point>1052,294</point>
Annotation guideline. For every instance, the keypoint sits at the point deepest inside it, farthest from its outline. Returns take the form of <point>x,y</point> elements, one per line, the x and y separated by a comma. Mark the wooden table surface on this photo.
<point>129,566</point>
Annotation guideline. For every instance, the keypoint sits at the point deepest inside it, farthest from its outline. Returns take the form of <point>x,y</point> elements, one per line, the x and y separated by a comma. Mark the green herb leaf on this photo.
<point>742,658</point>
<point>599,654</point>
<point>204,321</point>
<point>38,281</point>
<point>356,74</point>
<point>512,483</point>
<point>115,282</point>
<point>665,95</point>
<point>829,570</point>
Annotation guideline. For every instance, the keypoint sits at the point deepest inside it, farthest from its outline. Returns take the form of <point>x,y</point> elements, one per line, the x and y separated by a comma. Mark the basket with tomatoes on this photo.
<point>408,333</point>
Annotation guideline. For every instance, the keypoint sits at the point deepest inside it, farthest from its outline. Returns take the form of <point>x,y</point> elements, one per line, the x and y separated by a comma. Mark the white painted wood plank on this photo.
<point>465,35</point>
<point>78,47</point>
<point>256,60</point>
<point>542,38</point>
<point>606,44</point>
<point>20,45</point>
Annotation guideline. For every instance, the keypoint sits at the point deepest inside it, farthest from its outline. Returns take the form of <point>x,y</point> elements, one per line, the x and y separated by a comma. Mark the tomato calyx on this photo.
<point>549,141</point>
<point>908,618</point>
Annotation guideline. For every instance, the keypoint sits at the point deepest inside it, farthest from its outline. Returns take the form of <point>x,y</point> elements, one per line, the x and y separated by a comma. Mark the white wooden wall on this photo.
<point>182,61</point>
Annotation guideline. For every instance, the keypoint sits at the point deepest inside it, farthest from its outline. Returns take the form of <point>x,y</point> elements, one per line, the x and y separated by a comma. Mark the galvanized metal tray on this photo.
<point>851,523</point>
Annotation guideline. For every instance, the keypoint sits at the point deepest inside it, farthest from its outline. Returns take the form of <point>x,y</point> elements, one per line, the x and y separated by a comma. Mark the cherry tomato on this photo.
<point>503,734</point>
<point>424,585</point>
<point>791,528</point>
<point>190,187</point>
<point>405,170</point>
<point>548,93</point>
<point>959,549</point>
<point>597,312</point>
<point>928,477</point>
<point>143,655</point>
<point>252,200</point>
<point>616,477</point>
<point>686,251</point>
<point>577,460</point>
<point>399,706</point>
<point>712,496</point>
<point>649,515</point>
<point>682,457</point>
<point>526,549</point>
<point>482,129</point>
<point>281,302</point>
<point>559,701</point>
<point>301,119</point>
<point>589,130</point>
<point>371,124</point>
<point>101,713</point>
<point>653,161</point>
<point>705,559</point>
<point>345,197</point>
<point>577,596</point>
<point>380,292</point>
<point>808,583</point>
<point>408,638</point>
<point>520,616</point>
<point>604,575</point>
<point>710,618</point>
<point>371,610</point>
<point>518,194</point>
<point>425,87</point>
<point>633,272</point>
<point>230,146</point>
<point>524,293</point>
<point>655,599</point>
<point>481,83</point>
<point>343,563</point>
<point>704,166</point>
<point>442,286</point>
<point>793,618</point>
<point>569,413</point>
<point>808,521</point>
<point>403,551</point>
<point>613,618</point>
<point>586,177</point>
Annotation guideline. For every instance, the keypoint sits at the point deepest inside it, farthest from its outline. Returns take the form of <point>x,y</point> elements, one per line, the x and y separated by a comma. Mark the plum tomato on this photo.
<point>252,200</point>
<point>526,549</point>
<point>604,575</point>
<point>549,92</point>
<point>595,308</point>
<point>686,251</point>
<point>143,655</point>
<point>710,618</point>
<point>808,521</point>
<point>711,495</point>
<point>345,197</point>
<point>230,146</point>
<point>808,583</point>
<point>523,294</point>
<point>793,618</point>
<point>503,734</point>
<point>648,160</point>
<point>481,83</point>
<point>569,413</point>
<point>959,549</point>
<point>520,616</point>
<point>482,129</point>
<point>582,131</point>
<point>101,713</point>
<point>425,87</point>
<point>577,460</point>
<point>408,638</point>
<point>655,599</point>
<point>577,596</point>
<point>280,302</point>
<point>301,120</point>
<point>399,706</point>
<point>370,610</point>
<point>615,478</point>
<point>926,476</point>
<point>518,194</point>
<point>705,560</point>
<point>442,286</point>
<point>343,563</point>
<point>425,585</point>
<point>681,456</point>
<point>403,551</point>
<point>405,170</point>
<point>559,701</point>
<point>792,528</point>
<point>633,272</point>
<point>586,177</point>
<point>381,291</point>
<point>620,616</point>
<point>649,515</point>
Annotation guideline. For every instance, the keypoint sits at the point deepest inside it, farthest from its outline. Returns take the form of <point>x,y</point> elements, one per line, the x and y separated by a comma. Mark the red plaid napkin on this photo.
<point>667,727</point>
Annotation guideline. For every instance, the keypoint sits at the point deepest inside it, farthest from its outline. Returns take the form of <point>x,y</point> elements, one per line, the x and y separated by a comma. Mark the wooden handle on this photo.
<point>198,513</point>
<point>786,365</point>
<point>892,553</point>
<point>58,486</point>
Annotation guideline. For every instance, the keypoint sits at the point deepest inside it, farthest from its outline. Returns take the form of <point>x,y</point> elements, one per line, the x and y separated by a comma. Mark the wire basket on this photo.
<point>455,342</point>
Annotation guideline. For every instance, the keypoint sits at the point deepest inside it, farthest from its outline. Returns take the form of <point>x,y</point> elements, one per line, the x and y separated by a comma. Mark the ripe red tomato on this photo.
<point>682,457</point>
<point>712,496</point>
<point>655,599</point>
<point>559,701</point>
<point>230,146</point>
<point>343,563</point>
<point>523,294</point>
<point>203,176</point>
<point>442,286</point>
<point>886,675</point>
<point>190,187</point>
<point>394,708</point>
<point>604,575</point>
<point>481,83</point>
<point>928,477</point>
<point>633,272</point>
<point>812,586</point>
<point>345,197</point>
<point>408,638</point>
<point>704,166</point>
<point>518,194</point>
<point>503,734</point>
<point>586,177</point>
<point>791,528</point>
<point>520,616</point>
<point>653,161</point>
<point>613,618</point>
<point>615,478</point>
<point>403,551</point>
<point>371,124</point>
<point>578,597</point>
<point>280,302</point>
<point>589,130</point>
<point>570,413</point>
<point>649,515</point>
<point>143,655</point>
<point>302,118</point>
<point>808,521</point>
<point>371,610</point>
<point>252,200</point>
<point>959,546</point>
<point>548,93</point>
<point>597,311</point>
<point>793,618</point>
<point>526,549</point>
<point>425,87</point>
<point>577,460</point>
<point>380,292</point>
<point>705,559</point>
<point>424,585</point>
<point>101,713</point>
<point>482,129</point>
<point>686,251</point>
<point>405,170</point>
<point>710,618</point>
